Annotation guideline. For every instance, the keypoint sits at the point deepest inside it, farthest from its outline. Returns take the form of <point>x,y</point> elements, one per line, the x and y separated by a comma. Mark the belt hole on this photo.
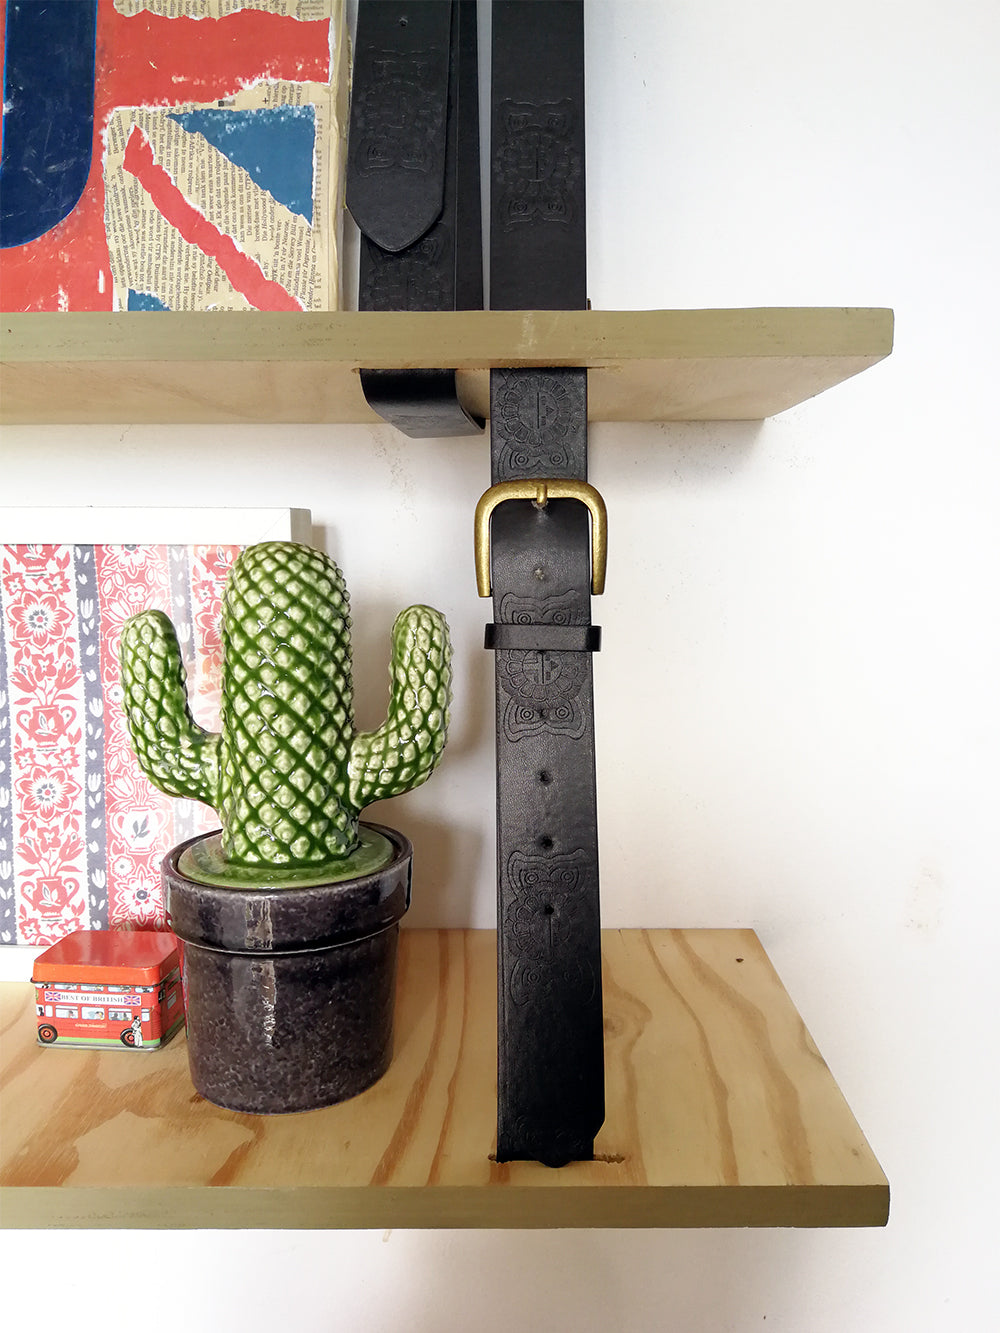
<point>546,843</point>
<point>545,777</point>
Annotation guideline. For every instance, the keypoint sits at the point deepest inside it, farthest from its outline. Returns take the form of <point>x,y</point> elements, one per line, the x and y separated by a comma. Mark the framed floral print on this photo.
<point>82,831</point>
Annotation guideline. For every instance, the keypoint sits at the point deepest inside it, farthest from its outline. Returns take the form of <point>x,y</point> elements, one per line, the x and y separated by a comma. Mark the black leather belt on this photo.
<point>534,540</point>
<point>413,188</point>
<point>538,204</point>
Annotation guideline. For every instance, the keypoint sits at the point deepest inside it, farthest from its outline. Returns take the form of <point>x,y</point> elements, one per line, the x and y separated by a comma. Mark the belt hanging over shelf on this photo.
<point>541,542</point>
<point>413,188</point>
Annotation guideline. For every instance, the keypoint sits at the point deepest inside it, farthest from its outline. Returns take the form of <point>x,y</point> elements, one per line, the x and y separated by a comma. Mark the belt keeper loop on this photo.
<point>543,638</point>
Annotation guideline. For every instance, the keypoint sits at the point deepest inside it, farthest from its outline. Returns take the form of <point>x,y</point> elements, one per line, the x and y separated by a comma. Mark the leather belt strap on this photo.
<point>538,231</point>
<point>550,1085</point>
<point>413,188</point>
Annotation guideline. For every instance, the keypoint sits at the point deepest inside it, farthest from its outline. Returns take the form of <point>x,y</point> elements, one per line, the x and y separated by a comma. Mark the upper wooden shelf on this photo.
<point>653,365</point>
<point>720,1112</point>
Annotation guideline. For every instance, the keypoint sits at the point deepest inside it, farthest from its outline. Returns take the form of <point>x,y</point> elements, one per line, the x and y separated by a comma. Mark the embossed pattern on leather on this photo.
<point>542,891</point>
<point>543,686</point>
<point>399,110</point>
<point>538,235</point>
<point>539,428</point>
<point>550,1086</point>
<point>417,279</point>
<point>537,164</point>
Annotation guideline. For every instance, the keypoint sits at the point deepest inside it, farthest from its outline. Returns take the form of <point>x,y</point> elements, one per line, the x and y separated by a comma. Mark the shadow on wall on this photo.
<point>447,863</point>
<point>586,1280</point>
<point>664,456</point>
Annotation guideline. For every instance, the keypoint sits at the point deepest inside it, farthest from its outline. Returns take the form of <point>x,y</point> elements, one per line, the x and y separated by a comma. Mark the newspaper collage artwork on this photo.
<point>215,179</point>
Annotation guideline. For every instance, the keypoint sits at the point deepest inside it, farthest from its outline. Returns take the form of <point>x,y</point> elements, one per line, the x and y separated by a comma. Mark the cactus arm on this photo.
<point>405,750</point>
<point>177,755</point>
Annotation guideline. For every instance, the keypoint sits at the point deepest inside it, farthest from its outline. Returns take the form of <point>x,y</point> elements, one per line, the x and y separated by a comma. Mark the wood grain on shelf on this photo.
<point>720,1112</point>
<point>651,365</point>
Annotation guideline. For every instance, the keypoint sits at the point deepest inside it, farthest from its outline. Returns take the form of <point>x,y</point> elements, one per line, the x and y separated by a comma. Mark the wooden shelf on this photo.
<point>721,1112</point>
<point>654,365</point>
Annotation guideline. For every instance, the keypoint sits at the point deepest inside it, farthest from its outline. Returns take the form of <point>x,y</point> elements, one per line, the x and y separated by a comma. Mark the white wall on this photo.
<point>797,701</point>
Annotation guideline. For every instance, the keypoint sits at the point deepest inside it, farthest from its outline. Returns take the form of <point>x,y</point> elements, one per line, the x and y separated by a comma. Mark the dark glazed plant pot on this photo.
<point>290,991</point>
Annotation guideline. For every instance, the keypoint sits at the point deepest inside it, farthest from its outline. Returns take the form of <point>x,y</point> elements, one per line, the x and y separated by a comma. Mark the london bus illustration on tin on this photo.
<point>109,988</point>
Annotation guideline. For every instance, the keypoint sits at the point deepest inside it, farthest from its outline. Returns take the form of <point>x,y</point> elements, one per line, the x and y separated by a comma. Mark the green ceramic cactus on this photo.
<point>287,773</point>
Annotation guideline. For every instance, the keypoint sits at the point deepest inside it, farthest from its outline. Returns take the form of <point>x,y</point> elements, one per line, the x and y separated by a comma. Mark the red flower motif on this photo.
<point>49,848</point>
<point>51,901</point>
<point>46,790</point>
<point>44,678</point>
<point>39,617</point>
<point>207,621</point>
<point>139,900</point>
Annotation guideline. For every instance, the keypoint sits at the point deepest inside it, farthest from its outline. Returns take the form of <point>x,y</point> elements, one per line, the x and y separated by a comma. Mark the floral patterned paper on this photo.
<point>82,831</point>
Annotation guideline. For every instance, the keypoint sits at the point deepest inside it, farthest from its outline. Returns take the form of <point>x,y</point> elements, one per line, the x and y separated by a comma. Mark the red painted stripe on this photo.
<point>152,60</point>
<point>243,272</point>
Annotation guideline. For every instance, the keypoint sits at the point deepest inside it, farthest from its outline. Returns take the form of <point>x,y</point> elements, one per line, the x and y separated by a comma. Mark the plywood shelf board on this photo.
<point>653,365</point>
<point>720,1112</point>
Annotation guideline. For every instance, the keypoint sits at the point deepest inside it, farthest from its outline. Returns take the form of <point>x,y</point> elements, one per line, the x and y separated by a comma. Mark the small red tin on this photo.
<point>109,988</point>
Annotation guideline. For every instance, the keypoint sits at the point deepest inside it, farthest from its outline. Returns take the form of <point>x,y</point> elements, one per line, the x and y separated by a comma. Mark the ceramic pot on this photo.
<point>289,991</point>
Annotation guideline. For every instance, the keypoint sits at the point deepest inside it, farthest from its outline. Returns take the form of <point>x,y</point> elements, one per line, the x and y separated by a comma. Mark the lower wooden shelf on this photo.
<point>720,1112</point>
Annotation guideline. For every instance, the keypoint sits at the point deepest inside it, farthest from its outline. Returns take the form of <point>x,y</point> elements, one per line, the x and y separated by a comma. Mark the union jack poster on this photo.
<point>172,154</point>
<point>82,831</point>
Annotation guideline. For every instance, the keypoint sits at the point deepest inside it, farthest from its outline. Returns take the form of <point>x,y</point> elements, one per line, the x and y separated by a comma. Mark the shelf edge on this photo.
<point>436,1207</point>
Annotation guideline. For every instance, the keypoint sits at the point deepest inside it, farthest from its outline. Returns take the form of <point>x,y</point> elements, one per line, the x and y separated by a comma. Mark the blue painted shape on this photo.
<point>144,301</point>
<point>48,116</point>
<point>274,145</point>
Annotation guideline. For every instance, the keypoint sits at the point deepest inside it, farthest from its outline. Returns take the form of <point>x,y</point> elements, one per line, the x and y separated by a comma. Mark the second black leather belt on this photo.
<point>544,556</point>
<point>540,556</point>
<point>413,188</point>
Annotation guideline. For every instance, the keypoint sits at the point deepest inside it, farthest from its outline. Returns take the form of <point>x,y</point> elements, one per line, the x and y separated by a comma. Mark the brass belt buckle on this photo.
<point>541,491</point>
